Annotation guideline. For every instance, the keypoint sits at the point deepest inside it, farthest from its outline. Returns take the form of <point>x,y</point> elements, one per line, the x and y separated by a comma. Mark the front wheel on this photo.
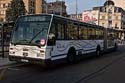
<point>71,58</point>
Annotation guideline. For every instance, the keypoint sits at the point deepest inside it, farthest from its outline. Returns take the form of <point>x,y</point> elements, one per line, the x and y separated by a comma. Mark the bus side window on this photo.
<point>60,31</point>
<point>91,33</point>
<point>52,36</point>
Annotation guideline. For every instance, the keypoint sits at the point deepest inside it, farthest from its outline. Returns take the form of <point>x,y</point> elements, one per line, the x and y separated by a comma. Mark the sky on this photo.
<point>82,5</point>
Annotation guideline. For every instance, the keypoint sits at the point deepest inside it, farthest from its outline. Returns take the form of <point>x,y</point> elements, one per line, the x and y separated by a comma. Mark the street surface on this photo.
<point>109,68</point>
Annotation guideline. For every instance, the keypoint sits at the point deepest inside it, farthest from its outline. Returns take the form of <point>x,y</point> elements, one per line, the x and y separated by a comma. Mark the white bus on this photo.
<point>49,38</point>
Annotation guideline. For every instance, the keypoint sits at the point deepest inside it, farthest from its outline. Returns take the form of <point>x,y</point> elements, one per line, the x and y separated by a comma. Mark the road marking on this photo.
<point>13,65</point>
<point>5,68</point>
<point>13,69</point>
<point>3,73</point>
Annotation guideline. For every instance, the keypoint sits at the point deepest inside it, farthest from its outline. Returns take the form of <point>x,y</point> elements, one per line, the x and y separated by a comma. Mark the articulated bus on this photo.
<point>48,38</point>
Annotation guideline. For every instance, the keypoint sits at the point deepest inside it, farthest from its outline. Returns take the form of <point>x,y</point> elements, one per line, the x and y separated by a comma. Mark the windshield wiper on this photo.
<point>35,36</point>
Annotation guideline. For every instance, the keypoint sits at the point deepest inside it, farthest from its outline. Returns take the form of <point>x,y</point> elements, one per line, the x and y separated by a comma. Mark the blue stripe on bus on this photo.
<point>66,54</point>
<point>86,50</point>
<point>89,49</point>
<point>58,55</point>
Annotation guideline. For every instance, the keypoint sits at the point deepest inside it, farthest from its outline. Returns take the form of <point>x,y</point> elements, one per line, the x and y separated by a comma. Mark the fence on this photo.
<point>5,34</point>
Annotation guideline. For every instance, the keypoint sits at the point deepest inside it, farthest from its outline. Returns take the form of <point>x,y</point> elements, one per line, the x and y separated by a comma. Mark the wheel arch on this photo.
<point>71,50</point>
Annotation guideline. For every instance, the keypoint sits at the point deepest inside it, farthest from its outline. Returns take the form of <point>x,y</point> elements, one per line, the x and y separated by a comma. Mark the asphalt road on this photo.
<point>109,68</point>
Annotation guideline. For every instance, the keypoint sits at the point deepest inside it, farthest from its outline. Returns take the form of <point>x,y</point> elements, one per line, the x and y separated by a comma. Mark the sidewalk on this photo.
<point>4,61</point>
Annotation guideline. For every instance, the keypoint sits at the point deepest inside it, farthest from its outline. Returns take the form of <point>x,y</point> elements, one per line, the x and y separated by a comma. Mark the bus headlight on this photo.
<point>11,52</point>
<point>40,55</point>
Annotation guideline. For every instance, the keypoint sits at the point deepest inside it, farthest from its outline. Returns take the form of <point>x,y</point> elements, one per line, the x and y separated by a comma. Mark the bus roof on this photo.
<point>73,20</point>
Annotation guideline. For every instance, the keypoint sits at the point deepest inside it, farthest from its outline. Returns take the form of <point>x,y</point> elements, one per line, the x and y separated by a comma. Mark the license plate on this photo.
<point>25,54</point>
<point>24,60</point>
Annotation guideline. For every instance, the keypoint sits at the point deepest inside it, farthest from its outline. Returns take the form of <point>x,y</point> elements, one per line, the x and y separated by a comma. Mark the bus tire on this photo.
<point>71,57</point>
<point>98,51</point>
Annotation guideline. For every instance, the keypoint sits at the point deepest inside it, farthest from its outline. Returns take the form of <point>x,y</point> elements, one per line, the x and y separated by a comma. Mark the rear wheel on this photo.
<point>98,51</point>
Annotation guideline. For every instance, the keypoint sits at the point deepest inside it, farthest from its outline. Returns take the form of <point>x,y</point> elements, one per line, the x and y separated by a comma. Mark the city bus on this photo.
<point>49,38</point>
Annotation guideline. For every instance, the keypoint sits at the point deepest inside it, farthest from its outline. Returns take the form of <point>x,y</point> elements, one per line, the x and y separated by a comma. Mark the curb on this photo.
<point>6,65</point>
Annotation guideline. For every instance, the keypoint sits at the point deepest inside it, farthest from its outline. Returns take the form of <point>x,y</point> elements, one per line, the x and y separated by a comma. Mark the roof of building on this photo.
<point>109,2</point>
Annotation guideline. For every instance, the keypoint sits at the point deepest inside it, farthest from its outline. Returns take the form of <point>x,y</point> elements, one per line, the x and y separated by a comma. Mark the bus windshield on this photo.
<point>31,30</point>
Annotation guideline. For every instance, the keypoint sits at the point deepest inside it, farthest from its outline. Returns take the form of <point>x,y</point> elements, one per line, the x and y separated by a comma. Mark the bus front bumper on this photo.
<point>30,60</point>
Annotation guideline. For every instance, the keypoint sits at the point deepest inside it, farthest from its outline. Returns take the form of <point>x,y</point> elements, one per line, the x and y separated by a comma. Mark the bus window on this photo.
<point>99,34</point>
<point>110,36</point>
<point>51,36</point>
<point>60,31</point>
<point>83,32</point>
<point>72,31</point>
<point>91,33</point>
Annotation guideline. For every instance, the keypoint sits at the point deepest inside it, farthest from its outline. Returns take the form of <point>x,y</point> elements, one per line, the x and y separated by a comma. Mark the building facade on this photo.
<point>76,17</point>
<point>91,16</point>
<point>29,6</point>
<point>57,7</point>
<point>108,15</point>
<point>119,3</point>
<point>3,7</point>
<point>112,16</point>
<point>35,7</point>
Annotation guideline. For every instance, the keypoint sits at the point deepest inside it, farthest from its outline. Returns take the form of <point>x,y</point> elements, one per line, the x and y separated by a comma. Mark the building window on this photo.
<point>110,11</point>
<point>110,24</point>
<point>110,18</point>
<point>116,26</point>
<point>116,17</point>
<point>103,17</point>
<point>103,24</point>
<point>1,19</point>
<point>4,5</point>
<point>9,4</point>
<point>2,12</point>
<point>0,5</point>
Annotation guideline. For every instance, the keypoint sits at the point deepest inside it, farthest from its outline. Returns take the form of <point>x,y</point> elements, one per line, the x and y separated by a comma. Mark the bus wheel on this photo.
<point>98,52</point>
<point>71,58</point>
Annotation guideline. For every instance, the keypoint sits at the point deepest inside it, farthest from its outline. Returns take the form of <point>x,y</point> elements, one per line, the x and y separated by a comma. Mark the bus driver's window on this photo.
<point>51,36</point>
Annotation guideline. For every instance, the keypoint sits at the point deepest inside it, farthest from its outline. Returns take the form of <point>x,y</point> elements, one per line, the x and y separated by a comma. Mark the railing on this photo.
<point>5,34</point>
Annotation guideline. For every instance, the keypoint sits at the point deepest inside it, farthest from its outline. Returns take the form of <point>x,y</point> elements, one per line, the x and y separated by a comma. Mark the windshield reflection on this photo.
<point>30,32</point>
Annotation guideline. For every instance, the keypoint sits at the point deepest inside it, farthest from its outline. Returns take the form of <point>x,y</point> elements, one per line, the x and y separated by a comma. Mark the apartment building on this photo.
<point>119,3</point>
<point>57,7</point>
<point>76,17</point>
<point>36,7</point>
<point>109,15</point>
<point>112,16</point>
<point>3,7</point>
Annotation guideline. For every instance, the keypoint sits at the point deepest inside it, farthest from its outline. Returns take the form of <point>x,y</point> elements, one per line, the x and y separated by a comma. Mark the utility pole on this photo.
<point>105,34</point>
<point>61,8</point>
<point>76,9</point>
<point>108,14</point>
<point>46,7</point>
